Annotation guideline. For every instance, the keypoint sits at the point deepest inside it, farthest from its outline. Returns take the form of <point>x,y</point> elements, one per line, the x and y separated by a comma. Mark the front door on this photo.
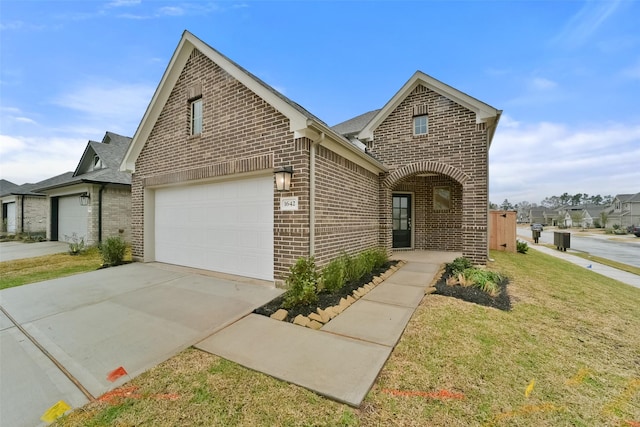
<point>401,220</point>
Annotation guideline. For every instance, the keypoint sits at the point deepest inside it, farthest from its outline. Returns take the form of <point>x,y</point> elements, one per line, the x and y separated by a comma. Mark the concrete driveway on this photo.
<point>18,250</point>
<point>133,316</point>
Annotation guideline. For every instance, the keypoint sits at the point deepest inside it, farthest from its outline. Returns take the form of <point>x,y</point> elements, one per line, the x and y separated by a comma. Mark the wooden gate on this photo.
<point>502,230</point>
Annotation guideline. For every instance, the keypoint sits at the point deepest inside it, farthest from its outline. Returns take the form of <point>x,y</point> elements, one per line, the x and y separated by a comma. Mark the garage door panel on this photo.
<point>72,219</point>
<point>11,217</point>
<point>225,226</point>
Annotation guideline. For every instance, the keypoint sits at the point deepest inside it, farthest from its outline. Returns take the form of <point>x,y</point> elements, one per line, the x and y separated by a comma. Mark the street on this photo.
<point>624,249</point>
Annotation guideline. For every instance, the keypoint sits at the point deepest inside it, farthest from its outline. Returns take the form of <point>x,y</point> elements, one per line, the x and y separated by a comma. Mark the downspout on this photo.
<point>312,194</point>
<point>100,212</point>
<point>22,214</point>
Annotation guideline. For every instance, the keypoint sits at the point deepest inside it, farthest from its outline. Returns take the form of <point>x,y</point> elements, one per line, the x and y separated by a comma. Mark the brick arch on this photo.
<point>425,166</point>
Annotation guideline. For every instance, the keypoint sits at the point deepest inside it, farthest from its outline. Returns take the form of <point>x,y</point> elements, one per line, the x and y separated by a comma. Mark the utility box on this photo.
<point>502,231</point>
<point>562,240</point>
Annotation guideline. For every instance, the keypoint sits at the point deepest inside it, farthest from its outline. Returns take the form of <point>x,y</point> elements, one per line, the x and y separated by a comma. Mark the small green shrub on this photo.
<point>458,265</point>
<point>302,283</point>
<point>378,257</point>
<point>76,244</point>
<point>112,251</point>
<point>333,275</point>
<point>522,247</point>
<point>486,281</point>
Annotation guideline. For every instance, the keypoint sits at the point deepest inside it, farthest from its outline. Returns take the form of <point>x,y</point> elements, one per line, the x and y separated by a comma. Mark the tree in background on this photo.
<point>603,219</point>
<point>506,206</point>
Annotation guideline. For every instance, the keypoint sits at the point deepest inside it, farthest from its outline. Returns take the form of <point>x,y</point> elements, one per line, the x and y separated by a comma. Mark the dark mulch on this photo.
<point>475,295</point>
<point>325,299</point>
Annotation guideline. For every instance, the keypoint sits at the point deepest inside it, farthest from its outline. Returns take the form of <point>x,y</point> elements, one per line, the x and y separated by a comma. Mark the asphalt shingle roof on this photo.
<point>111,151</point>
<point>356,124</point>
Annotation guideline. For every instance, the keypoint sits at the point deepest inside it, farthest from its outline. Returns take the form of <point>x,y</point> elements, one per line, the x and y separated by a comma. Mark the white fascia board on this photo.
<point>484,112</point>
<point>69,190</point>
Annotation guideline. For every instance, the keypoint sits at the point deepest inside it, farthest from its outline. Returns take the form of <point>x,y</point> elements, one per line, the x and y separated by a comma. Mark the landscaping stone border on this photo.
<point>323,316</point>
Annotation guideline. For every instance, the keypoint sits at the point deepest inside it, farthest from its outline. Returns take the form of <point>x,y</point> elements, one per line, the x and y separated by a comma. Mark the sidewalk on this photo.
<point>605,270</point>
<point>343,359</point>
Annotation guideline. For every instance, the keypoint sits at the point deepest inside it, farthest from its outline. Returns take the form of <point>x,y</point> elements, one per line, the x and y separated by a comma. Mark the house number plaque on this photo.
<point>289,204</point>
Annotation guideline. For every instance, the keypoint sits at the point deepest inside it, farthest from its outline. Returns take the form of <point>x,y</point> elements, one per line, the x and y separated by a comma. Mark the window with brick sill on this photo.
<point>196,117</point>
<point>420,125</point>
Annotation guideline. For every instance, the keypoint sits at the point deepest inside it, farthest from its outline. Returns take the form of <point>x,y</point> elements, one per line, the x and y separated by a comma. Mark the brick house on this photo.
<point>93,202</point>
<point>23,211</point>
<point>412,175</point>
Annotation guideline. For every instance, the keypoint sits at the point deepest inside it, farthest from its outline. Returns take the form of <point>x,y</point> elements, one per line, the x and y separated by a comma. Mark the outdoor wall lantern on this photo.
<point>84,199</point>
<point>283,178</point>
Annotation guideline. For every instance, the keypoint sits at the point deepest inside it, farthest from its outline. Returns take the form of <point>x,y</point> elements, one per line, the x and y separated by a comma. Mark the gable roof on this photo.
<point>301,121</point>
<point>484,112</point>
<point>111,151</point>
<point>356,124</point>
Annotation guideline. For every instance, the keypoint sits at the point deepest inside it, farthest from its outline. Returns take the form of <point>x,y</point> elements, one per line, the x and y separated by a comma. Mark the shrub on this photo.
<point>76,244</point>
<point>486,281</point>
<point>376,258</point>
<point>522,247</point>
<point>333,275</point>
<point>112,251</point>
<point>458,265</point>
<point>302,283</point>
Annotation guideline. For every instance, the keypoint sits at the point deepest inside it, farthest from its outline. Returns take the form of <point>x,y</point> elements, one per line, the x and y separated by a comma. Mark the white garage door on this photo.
<point>225,227</point>
<point>72,219</point>
<point>11,217</point>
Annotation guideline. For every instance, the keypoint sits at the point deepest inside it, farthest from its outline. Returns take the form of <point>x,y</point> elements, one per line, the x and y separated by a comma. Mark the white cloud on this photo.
<point>586,22</point>
<point>32,159</point>
<point>541,83</point>
<point>171,11</point>
<point>533,161</point>
<point>126,3</point>
<point>108,100</point>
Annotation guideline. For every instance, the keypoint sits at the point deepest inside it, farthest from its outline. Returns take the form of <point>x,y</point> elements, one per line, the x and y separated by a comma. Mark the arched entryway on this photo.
<point>433,206</point>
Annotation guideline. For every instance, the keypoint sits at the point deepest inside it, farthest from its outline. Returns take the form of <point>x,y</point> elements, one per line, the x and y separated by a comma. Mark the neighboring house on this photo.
<point>8,209</point>
<point>541,215</point>
<point>625,210</point>
<point>93,202</point>
<point>412,175</point>
<point>24,210</point>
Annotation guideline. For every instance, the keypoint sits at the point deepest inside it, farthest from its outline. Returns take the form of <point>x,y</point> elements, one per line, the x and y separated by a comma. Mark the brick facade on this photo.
<point>243,134</point>
<point>453,153</point>
<point>30,214</point>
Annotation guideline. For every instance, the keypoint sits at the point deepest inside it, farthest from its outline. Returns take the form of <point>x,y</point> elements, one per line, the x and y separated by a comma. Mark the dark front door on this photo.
<point>401,220</point>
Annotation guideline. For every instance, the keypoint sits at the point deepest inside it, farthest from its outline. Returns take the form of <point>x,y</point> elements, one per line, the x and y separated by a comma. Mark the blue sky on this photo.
<point>566,74</point>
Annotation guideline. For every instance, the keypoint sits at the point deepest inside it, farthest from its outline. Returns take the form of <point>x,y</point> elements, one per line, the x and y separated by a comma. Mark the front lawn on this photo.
<point>568,353</point>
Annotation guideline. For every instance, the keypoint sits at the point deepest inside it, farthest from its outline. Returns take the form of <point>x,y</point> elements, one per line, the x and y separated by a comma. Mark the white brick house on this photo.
<point>412,175</point>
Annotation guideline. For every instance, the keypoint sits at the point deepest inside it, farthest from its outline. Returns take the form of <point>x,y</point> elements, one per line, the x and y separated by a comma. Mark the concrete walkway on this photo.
<point>605,270</point>
<point>130,317</point>
<point>343,359</point>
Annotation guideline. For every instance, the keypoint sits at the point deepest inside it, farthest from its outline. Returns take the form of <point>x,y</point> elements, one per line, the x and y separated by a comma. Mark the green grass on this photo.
<point>573,332</point>
<point>31,270</point>
<point>24,271</point>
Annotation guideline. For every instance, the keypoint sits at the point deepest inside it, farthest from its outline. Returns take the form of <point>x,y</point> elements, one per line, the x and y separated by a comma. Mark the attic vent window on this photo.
<point>97,163</point>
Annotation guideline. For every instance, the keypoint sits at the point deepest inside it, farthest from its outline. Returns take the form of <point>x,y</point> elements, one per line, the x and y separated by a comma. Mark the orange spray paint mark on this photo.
<point>441,394</point>
<point>529,389</point>
<point>632,388</point>
<point>116,373</point>
<point>113,396</point>
<point>633,423</point>
<point>525,410</point>
<point>579,377</point>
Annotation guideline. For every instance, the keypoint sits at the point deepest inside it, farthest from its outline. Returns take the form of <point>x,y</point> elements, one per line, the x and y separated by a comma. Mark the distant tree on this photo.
<point>493,206</point>
<point>607,200</point>
<point>506,205</point>
<point>576,199</point>
<point>596,200</point>
<point>565,199</point>
<point>603,219</point>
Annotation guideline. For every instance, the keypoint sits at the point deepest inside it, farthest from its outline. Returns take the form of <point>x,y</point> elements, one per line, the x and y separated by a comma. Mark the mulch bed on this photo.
<point>325,299</point>
<point>475,295</point>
